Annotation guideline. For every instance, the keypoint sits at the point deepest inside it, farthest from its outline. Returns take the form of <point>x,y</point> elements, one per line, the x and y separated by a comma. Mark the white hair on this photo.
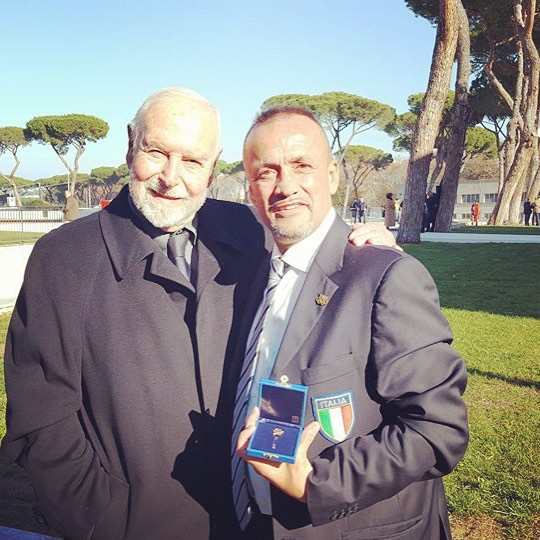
<point>169,94</point>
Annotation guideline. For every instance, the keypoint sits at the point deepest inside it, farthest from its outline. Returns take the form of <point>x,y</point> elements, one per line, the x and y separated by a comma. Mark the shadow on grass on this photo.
<point>493,278</point>
<point>509,380</point>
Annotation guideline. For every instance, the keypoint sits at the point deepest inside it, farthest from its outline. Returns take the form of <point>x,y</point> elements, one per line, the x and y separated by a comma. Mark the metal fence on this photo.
<point>22,225</point>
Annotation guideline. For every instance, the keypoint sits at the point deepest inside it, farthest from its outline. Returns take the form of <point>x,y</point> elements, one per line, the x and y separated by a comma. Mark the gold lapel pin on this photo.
<point>322,299</point>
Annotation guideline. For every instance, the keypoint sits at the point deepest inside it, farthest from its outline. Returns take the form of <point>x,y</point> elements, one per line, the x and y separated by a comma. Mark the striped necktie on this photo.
<point>238,466</point>
<point>176,250</point>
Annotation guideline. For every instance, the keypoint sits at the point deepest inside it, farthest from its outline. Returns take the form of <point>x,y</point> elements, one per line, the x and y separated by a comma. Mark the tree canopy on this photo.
<point>11,139</point>
<point>338,112</point>
<point>361,160</point>
<point>505,38</point>
<point>233,168</point>
<point>104,182</point>
<point>65,132</point>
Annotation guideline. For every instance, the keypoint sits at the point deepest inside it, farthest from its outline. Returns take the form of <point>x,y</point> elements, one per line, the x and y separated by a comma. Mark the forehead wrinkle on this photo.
<point>155,131</point>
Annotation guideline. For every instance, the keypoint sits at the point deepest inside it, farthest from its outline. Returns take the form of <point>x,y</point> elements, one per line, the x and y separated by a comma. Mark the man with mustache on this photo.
<point>384,385</point>
<point>115,356</point>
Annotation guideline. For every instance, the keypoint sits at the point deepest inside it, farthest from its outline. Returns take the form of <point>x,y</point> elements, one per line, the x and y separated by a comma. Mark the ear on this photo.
<point>212,175</point>
<point>251,193</point>
<point>129,154</point>
<point>333,176</point>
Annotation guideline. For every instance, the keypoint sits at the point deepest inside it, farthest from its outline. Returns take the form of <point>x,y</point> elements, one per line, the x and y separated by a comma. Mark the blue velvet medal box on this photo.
<point>279,427</point>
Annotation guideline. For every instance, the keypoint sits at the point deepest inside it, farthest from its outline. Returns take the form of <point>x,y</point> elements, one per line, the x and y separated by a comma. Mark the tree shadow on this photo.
<point>504,378</point>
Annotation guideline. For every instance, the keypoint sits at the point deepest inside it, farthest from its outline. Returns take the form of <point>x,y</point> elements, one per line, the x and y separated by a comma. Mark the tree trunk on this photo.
<point>458,127</point>
<point>439,165</point>
<point>534,185</point>
<point>523,126</point>
<point>11,182</point>
<point>500,158</point>
<point>346,201</point>
<point>347,188</point>
<point>80,152</point>
<point>429,120</point>
<point>514,211</point>
<point>10,178</point>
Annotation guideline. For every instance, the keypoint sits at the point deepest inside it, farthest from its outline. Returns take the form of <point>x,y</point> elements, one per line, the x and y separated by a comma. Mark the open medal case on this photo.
<point>280,424</point>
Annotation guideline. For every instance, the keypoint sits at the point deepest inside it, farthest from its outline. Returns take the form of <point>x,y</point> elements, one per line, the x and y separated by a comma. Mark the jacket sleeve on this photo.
<point>418,379</point>
<point>43,384</point>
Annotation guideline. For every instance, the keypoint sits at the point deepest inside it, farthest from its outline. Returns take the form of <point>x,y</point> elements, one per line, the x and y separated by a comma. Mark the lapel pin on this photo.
<point>322,299</point>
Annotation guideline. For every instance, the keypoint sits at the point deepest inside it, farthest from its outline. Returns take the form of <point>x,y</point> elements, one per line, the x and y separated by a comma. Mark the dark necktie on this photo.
<point>238,467</point>
<point>176,250</point>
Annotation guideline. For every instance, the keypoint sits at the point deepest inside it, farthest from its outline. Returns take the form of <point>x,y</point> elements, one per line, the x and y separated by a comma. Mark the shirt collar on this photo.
<point>301,255</point>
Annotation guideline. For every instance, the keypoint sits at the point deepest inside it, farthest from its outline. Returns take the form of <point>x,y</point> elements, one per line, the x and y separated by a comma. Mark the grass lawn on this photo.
<point>16,237</point>
<point>489,292</point>
<point>488,295</point>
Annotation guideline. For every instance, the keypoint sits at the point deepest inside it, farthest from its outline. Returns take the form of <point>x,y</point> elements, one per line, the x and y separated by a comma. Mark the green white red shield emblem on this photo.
<point>335,414</point>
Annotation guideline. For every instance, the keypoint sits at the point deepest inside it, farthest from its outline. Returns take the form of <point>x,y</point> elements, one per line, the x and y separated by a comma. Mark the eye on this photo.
<point>265,174</point>
<point>155,153</point>
<point>302,166</point>
<point>192,161</point>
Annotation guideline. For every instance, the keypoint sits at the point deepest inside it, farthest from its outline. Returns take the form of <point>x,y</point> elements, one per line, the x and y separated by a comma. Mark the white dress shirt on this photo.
<point>298,259</point>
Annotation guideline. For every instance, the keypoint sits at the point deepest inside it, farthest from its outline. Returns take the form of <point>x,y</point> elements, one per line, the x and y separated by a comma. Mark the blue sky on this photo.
<point>104,57</point>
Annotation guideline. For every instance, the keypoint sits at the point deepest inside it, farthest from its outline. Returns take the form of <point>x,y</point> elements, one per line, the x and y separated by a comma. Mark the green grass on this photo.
<point>489,292</point>
<point>497,278</point>
<point>12,237</point>
<point>496,229</point>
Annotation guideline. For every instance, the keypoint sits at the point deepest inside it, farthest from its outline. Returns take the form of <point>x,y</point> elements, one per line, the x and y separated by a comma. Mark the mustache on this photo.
<point>176,192</point>
<point>276,205</point>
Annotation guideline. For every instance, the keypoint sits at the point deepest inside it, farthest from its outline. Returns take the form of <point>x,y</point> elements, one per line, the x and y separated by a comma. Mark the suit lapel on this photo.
<point>218,246</point>
<point>128,245</point>
<point>315,296</point>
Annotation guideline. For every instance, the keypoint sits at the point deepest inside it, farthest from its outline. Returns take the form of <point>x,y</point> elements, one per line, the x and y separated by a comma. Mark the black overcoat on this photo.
<point>114,366</point>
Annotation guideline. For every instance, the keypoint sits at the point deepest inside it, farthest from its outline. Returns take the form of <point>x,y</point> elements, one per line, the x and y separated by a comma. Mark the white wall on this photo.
<point>12,264</point>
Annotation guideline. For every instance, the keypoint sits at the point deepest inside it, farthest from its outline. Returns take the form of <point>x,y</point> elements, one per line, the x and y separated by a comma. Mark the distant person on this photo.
<point>475,212</point>
<point>362,210</point>
<point>397,210</point>
<point>389,208</point>
<point>536,210</point>
<point>527,211</point>
<point>71,208</point>
<point>432,207</point>
<point>354,209</point>
<point>425,217</point>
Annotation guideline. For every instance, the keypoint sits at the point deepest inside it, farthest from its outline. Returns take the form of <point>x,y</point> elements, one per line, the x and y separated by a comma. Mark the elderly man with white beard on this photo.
<point>118,360</point>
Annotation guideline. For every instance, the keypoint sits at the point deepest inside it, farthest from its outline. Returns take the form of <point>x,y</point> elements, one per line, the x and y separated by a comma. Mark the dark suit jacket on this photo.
<point>394,361</point>
<point>113,372</point>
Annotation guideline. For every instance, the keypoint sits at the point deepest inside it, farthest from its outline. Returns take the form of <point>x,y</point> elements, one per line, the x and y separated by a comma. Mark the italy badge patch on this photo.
<point>335,414</point>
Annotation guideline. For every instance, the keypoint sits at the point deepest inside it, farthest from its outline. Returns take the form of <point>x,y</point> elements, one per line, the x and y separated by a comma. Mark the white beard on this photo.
<point>157,213</point>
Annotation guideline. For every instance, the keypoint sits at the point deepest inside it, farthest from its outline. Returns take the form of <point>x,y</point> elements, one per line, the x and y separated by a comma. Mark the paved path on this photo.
<point>478,238</point>
<point>13,258</point>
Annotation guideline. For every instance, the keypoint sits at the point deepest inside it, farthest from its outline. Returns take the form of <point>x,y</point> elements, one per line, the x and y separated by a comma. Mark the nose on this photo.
<point>171,173</point>
<point>287,184</point>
